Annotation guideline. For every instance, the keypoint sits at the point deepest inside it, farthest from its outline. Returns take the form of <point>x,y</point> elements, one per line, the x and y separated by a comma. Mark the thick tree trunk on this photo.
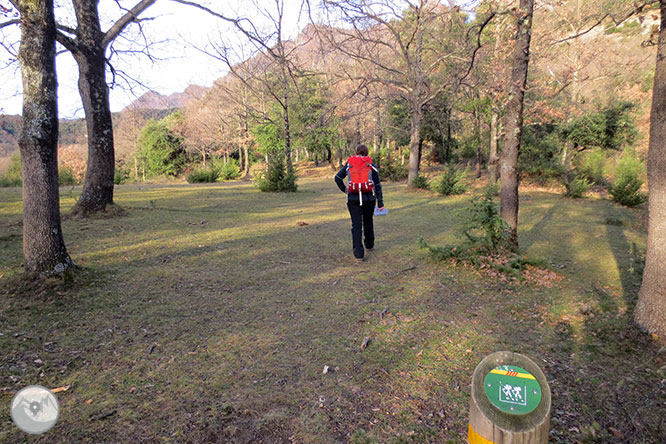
<point>415,143</point>
<point>493,158</point>
<point>651,307</point>
<point>514,122</point>
<point>43,245</point>
<point>97,190</point>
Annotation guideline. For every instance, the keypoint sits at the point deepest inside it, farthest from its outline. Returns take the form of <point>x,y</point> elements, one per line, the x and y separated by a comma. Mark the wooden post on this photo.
<point>510,402</point>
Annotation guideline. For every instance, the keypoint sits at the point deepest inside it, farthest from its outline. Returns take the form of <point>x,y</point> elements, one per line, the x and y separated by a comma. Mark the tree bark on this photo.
<point>493,158</point>
<point>247,160</point>
<point>287,136</point>
<point>43,245</point>
<point>89,51</point>
<point>514,122</point>
<point>477,136</point>
<point>449,137</point>
<point>98,184</point>
<point>651,307</point>
<point>415,143</point>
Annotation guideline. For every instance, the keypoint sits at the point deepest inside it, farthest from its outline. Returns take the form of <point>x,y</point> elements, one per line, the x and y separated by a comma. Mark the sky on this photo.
<point>176,30</point>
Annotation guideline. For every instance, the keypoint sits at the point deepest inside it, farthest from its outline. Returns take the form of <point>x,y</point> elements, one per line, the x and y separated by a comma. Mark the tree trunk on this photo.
<point>287,136</point>
<point>43,245</point>
<point>514,122</point>
<point>477,135</point>
<point>493,159</point>
<point>415,143</point>
<point>246,148</point>
<point>449,137</point>
<point>651,307</point>
<point>97,190</point>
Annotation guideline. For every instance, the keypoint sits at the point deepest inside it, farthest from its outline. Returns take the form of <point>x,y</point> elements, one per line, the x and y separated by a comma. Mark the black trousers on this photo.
<point>361,217</point>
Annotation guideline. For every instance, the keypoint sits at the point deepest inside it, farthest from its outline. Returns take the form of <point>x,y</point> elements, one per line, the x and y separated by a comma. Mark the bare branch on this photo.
<point>67,42</point>
<point>9,23</point>
<point>638,9</point>
<point>125,20</point>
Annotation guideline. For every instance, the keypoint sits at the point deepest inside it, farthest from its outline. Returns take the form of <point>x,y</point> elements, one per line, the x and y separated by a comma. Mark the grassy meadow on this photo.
<point>207,313</point>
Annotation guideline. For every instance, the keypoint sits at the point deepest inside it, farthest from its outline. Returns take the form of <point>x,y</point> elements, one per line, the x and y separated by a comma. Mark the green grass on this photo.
<point>207,313</point>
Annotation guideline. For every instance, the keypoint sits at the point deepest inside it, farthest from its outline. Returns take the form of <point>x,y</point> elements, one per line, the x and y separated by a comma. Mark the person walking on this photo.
<point>364,191</point>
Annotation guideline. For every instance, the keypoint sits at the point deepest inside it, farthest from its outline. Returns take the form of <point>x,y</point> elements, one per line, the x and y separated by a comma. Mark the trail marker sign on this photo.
<point>510,401</point>
<point>512,389</point>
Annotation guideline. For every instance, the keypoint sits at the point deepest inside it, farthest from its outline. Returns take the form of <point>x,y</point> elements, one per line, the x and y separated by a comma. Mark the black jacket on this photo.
<point>354,197</point>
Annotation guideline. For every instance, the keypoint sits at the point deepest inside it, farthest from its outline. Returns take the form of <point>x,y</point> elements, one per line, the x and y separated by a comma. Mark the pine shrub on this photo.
<point>591,165</point>
<point>229,170</point>
<point>390,169</point>
<point>421,182</point>
<point>202,175</point>
<point>576,187</point>
<point>66,176</point>
<point>277,178</point>
<point>451,182</point>
<point>12,178</point>
<point>625,189</point>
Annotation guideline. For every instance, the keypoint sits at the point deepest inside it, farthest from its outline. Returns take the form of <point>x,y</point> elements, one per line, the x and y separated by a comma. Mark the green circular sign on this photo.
<point>512,389</point>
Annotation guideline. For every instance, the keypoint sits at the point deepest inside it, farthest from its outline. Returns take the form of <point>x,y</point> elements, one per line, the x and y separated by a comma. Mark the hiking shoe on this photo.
<point>360,259</point>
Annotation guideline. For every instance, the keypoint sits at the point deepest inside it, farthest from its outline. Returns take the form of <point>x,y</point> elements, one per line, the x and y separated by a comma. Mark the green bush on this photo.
<point>591,165</point>
<point>202,175</point>
<point>390,168</point>
<point>229,171</point>
<point>451,182</point>
<point>6,181</point>
<point>577,187</point>
<point>468,148</point>
<point>12,178</point>
<point>625,188</point>
<point>486,234</point>
<point>120,176</point>
<point>277,178</point>
<point>421,182</point>
<point>66,176</point>
<point>539,152</point>
<point>483,223</point>
<point>161,150</point>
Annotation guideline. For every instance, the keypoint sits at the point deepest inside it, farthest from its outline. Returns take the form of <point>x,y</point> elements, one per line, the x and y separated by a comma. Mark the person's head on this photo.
<point>361,150</point>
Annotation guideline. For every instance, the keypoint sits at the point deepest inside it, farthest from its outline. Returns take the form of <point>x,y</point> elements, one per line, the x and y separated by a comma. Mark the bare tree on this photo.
<point>514,121</point>
<point>270,69</point>
<point>419,48</point>
<point>651,306</point>
<point>43,245</point>
<point>89,44</point>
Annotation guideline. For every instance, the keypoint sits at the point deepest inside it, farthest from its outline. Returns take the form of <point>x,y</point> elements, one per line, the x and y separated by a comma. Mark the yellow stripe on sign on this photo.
<point>475,438</point>
<point>515,374</point>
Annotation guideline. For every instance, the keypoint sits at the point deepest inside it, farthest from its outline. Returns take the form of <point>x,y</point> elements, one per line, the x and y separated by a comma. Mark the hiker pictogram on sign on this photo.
<point>512,389</point>
<point>513,394</point>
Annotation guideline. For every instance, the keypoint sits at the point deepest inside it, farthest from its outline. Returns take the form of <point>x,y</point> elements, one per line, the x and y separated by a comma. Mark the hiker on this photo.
<point>363,193</point>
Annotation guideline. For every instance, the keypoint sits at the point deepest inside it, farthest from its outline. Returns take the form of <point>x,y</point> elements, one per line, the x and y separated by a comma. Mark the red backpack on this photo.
<point>360,179</point>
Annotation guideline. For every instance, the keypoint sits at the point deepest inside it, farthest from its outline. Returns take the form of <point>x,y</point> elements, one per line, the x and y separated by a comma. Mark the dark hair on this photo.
<point>362,150</point>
